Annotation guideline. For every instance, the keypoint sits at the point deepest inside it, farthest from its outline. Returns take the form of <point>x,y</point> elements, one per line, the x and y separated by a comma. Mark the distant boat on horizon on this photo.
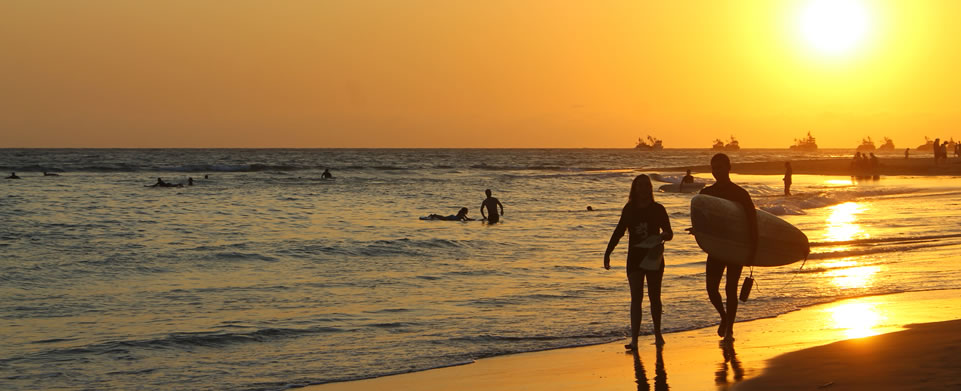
<point>806,144</point>
<point>652,144</point>
<point>887,146</point>
<point>867,145</point>
<point>927,146</point>
<point>732,145</point>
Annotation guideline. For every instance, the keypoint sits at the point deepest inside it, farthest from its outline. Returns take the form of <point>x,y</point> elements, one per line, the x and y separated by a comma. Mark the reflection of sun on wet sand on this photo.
<point>694,360</point>
<point>923,357</point>
<point>841,166</point>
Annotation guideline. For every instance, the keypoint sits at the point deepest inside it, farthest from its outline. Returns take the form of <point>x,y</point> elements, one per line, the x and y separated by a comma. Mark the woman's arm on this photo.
<point>666,232</point>
<point>615,238</point>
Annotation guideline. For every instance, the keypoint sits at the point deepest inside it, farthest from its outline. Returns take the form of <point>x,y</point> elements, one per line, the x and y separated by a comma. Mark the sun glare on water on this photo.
<point>834,26</point>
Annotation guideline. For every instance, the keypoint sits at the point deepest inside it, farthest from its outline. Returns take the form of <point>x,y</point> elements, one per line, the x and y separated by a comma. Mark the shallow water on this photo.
<point>265,276</point>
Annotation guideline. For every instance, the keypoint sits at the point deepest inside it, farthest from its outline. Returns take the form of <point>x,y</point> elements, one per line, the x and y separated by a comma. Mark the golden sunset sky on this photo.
<point>496,73</point>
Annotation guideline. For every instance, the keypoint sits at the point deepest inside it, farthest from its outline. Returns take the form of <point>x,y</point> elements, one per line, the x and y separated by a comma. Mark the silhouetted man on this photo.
<point>491,204</point>
<point>788,173</point>
<point>13,175</point>
<point>724,188</point>
<point>688,179</point>
<point>326,174</point>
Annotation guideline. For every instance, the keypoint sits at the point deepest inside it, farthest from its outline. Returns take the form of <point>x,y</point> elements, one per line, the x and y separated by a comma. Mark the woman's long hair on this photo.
<point>641,189</point>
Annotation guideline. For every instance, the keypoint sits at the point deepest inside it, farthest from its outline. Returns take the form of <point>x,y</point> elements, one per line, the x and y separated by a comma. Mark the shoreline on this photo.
<point>838,166</point>
<point>691,360</point>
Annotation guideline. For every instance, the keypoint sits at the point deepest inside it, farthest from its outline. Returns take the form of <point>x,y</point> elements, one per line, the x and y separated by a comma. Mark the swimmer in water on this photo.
<point>13,175</point>
<point>491,204</point>
<point>326,174</point>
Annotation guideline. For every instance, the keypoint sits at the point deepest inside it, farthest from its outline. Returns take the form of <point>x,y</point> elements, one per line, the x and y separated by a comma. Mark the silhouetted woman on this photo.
<point>649,227</point>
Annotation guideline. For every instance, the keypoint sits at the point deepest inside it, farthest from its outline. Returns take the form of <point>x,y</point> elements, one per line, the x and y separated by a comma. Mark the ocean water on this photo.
<point>265,277</point>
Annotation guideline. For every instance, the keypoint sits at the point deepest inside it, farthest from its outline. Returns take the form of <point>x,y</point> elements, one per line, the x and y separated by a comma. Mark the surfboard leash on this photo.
<point>798,271</point>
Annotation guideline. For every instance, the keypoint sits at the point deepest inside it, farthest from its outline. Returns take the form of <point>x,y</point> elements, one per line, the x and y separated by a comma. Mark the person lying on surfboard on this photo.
<point>460,216</point>
<point>724,188</point>
<point>649,227</point>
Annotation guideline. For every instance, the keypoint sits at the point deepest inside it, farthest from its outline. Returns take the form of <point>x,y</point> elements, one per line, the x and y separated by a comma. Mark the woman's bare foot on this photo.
<point>722,328</point>
<point>729,336</point>
<point>659,340</point>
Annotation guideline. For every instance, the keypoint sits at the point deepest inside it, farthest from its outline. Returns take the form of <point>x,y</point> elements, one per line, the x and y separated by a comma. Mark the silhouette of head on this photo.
<point>488,192</point>
<point>462,212</point>
<point>688,171</point>
<point>721,166</point>
<point>642,191</point>
<point>589,208</point>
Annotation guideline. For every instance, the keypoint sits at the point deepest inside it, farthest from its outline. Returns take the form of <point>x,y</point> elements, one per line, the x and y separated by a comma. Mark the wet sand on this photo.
<point>696,360</point>
<point>841,166</point>
<point>923,357</point>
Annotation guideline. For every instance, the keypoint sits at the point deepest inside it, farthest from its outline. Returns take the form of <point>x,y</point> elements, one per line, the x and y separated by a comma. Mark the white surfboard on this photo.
<point>681,187</point>
<point>720,229</point>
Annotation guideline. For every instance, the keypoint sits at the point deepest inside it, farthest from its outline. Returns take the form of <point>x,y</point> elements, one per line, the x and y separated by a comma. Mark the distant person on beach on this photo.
<point>326,174</point>
<point>460,216</point>
<point>944,152</point>
<point>13,175</point>
<point>491,204</point>
<point>906,151</point>
<point>50,174</point>
<point>649,227</point>
<point>875,164</point>
<point>937,150</point>
<point>724,188</point>
<point>788,172</point>
<point>688,178</point>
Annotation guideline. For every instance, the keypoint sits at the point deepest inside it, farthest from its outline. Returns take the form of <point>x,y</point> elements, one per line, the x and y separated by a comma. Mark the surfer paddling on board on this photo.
<point>491,204</point>
<point>460,216</point>
<point>649,227</point>
<point>724,188</point>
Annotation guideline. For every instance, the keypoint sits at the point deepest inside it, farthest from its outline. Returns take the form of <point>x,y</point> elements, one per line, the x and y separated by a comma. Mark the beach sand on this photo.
<point>841,166</point>
<point>924,357</point>
<point>696,360</point>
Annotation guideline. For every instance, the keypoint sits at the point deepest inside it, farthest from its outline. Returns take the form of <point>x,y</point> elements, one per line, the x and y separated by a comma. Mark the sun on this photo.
<point>834,26</point>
